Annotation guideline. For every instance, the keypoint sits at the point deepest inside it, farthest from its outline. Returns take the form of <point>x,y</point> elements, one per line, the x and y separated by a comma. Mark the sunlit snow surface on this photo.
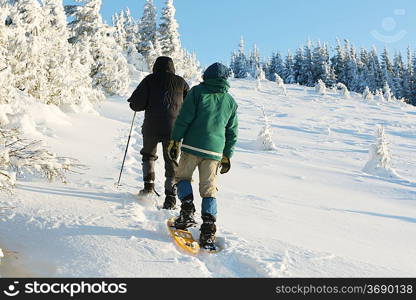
<point>305,209</point>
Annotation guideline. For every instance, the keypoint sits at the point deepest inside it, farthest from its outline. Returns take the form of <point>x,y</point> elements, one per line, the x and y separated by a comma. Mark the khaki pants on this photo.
<point>207,168</point>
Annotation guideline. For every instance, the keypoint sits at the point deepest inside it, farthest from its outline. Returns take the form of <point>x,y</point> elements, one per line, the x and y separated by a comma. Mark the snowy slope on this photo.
<point>304,210</point>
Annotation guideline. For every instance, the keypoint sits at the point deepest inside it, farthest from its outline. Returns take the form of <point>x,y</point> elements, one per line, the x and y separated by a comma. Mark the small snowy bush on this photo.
<point>320,87</point>
<point>258,85</point>
<point>280,85</point>
<point>264,140</point>
<point>19,157</point>
<point>343,90</point>
<point>387,93</point>
<point>380,157</point>
<point>367,94</point>
<point>379,96</point>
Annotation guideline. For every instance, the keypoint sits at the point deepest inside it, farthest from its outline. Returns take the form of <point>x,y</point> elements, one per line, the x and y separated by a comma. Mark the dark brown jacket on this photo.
<point>161,96</point>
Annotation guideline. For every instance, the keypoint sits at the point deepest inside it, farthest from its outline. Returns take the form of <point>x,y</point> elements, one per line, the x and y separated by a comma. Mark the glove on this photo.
<point>225,165</point>
<point>173,150</point>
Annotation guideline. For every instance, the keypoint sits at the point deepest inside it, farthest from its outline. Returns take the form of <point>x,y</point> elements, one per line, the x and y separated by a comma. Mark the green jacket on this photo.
<point>207,122</point>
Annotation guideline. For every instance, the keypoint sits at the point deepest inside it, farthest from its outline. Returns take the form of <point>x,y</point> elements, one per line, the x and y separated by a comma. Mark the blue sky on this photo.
<point>213,28</point>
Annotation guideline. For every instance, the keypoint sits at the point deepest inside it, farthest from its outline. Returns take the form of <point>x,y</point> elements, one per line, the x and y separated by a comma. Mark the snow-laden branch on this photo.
<point>19,156</point>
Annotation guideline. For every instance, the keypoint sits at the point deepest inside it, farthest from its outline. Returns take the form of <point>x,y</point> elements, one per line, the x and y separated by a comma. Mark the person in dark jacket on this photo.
<point>161,96</point>
<point>207,126</point>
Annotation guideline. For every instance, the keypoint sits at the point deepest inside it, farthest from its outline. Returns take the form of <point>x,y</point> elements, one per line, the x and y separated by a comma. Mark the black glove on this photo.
<point>173,150</point>
<point>225,165</point>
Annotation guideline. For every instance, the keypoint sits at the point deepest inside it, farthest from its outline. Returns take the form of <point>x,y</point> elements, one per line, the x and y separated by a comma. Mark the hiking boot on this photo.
<point>170,202</point>
<point>208,230</point>
<point>149,189</point>
<point>186,218</point>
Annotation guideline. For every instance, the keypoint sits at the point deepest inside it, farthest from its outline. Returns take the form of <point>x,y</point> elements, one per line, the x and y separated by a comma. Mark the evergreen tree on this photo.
<point>339,61</point>
<point>131,29</point>
<point>387,67</point>
<point>7,90</point>
<point>24,48</point>
<point>275,66</point>
<point>297,67</point>
<point>350,73</point>
<point>169,34</point>
<point>109,69</point>
<point>322,69</point>
<point>120,33</point>
<point>254,63</point>
<point>239,62</point>
<point>365,78</point>
<point>148,28</point>
<point>288,74</point>
<point>398,76</point>
<point>376,69</point>
<point>57,54</point>
<point>408,76</point>
<point>307,68</point>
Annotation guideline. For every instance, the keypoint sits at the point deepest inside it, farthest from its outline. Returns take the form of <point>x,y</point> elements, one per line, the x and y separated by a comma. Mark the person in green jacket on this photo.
<point>207,126</point>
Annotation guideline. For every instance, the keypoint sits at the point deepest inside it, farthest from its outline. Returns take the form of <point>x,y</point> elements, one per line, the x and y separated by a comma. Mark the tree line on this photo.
<point>359,70</point>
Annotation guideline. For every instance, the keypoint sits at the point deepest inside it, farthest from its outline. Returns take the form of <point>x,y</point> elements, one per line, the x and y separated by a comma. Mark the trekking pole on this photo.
<point>127,148</point>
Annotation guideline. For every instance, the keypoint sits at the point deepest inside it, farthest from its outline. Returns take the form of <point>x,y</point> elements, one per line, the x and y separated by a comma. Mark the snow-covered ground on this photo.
<point>306,209</point>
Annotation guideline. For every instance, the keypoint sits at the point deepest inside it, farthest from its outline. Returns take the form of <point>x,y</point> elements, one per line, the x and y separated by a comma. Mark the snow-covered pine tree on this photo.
<point>413,80</point>
<point>120,33</point>
<point>288,75</point>
<point>192,71</point>
<point>339,61</point>
<point>25,48</point>
<point>408,84</point>
<point>7,90</point>
<point>387,67</point>
<point>131,29</point>
<point>364,76</point>
<point>154,52</point>
<point>276,66</point>
<point>307,65</point>
<point>351,69</point>
<point>239,61</point>
<point>398,76</point>
<point>377,69</point>
<point>168,31</point>
<point>126,36</point>
<point>321,66</point>
<point>148,32</point>
<point>320,87</point>
<point>367,94</point>
<point>254,63</point>
<point>297,67</point>
<point>264,140</point>
<point>109,70</point>
<point>380,157</point>
<point>57,62</point>
<point>81,82</point>
<point>319,60</point>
